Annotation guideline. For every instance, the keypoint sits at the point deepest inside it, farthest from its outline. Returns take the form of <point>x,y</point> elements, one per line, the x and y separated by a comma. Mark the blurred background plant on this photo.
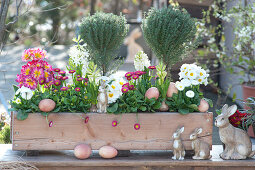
<point>5,137</point>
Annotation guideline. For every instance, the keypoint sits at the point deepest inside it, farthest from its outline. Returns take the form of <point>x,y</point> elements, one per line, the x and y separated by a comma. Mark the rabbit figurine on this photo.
<point>237,143</point>
<point>102,98</point>
<point>178,148</point>
<point>201,148</point>
<point>133,47</point>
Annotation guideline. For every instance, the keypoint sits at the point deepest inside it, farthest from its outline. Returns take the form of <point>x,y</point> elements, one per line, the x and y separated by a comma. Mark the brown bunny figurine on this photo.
<point>132,46</point>
<point>238,143</point>
<point>201,148</point>
<point>102,99</point>
<point>178,148</point>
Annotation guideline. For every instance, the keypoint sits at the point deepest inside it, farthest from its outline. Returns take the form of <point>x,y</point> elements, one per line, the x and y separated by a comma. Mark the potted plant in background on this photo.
<point>238,57</point>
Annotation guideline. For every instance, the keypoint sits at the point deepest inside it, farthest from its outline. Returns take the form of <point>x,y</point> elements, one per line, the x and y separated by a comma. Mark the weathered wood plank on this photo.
<point>137,160</point>
<point>69,129</point>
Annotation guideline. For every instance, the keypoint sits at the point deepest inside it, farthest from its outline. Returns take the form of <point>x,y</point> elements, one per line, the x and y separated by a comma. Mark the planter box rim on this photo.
<point>121,113</point>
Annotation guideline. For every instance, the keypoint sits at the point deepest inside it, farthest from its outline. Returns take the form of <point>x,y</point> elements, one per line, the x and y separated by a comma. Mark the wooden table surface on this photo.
<point>137,160</point>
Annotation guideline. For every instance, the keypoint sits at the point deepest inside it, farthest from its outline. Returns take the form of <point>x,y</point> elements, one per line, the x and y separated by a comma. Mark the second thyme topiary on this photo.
<point>104,33</point>
<point>170,33</point>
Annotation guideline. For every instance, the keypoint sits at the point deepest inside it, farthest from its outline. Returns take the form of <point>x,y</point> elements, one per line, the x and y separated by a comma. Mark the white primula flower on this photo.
<point>179,86</point>
<point>201,73</point>
<point>141,60</point>
<point>26,93</point>
<point>200,80</point>
<point>192,75</point>
<point>184,67</point>
<point>18,101</point>
<point>194,82</point>
<point>186,82</point>
<point>105,79</point>
<point>114,85</point>
<point>190,94</point>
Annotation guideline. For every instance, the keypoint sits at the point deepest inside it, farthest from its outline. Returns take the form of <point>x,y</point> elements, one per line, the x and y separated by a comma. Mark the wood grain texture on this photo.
<point>69,129</point>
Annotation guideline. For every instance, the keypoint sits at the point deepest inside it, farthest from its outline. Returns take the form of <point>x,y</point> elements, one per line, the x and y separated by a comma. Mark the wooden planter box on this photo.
<point>69,129</point>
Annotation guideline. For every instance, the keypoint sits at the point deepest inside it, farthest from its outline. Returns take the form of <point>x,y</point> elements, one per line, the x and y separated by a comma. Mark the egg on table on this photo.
<point>82,151</point>
<point>108,152</point>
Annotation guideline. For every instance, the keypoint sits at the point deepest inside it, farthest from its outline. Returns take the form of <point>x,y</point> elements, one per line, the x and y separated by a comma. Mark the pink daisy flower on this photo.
<point>72,71</point>
<point>124,89</point>
<point>137,126</point>
<point>57,82</point>
<point>78,89</point>
<point>135,76</point>
<point>64,88</point>
<point>86,119</point>
<point>56,70</point>
<point>114,123</point>
<point>62,72</point>
<point>152,67</point>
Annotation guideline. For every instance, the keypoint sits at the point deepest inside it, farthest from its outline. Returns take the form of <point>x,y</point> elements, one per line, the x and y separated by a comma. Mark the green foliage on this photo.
<point>5,135</point>
<point>170,33</point>
<point>133,102</point>
<point>66,101</point>
<point>104,33</point>
<point>183,104</point>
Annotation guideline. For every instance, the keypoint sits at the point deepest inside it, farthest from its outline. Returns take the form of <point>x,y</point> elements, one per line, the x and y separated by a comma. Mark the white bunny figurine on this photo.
<point>133,47</point>
<point>178,148</point>
<point>201,148</point>
<point>102,98</point>
<point>237,143</point>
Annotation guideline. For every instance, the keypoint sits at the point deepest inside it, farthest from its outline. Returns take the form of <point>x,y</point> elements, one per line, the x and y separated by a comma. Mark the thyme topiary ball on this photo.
<point>104,33</point>
<point>170,33</point>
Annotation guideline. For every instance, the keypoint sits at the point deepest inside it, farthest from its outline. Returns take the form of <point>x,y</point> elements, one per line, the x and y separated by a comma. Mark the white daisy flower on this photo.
<point>190,94</point>
<point>179,86</point>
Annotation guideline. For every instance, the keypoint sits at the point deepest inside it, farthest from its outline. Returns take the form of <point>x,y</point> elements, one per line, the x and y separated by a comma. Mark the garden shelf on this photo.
<point>69,129</point>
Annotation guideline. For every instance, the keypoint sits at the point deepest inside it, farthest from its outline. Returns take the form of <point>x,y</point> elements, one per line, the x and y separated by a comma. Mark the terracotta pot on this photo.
<point>249,91</point>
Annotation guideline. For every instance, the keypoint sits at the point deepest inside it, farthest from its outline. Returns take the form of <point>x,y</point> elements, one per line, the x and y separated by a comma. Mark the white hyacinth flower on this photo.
<point>26,93</point>
<point>190,94</point>
<point>141,60</point>
<point>79,56</point>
